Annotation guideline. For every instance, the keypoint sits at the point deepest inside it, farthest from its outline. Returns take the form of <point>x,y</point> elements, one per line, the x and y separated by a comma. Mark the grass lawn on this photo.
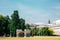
<point>31,38</point>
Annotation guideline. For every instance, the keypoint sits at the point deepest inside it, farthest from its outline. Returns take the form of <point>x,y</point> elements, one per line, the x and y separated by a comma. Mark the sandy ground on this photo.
<point>32,38</point>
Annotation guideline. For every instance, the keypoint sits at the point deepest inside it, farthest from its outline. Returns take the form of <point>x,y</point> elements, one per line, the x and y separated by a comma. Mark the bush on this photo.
<point>33,32</point>
<point>45,31</point>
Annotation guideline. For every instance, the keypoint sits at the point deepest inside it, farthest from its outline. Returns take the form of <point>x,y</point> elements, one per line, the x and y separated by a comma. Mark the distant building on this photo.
<point>55,26</point>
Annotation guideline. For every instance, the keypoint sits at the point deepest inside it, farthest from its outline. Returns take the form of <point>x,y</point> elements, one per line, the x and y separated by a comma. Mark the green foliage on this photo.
<point>2,19</point>
<point>14,23</point>
<point>27,26</point>
<point>8,26</point>
<point>22,24</point>
<point>44,31</point>
<point>4,30</point>
<point>33,32</point>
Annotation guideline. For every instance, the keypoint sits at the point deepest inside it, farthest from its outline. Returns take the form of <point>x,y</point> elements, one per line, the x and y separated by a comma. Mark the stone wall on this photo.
<point>25,33</point>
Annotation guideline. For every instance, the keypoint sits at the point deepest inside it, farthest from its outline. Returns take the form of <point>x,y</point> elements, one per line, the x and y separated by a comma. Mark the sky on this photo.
<point>33,11</point>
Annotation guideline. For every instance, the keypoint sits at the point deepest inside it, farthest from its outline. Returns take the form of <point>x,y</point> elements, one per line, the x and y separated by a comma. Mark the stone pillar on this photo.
<point>25,33</point>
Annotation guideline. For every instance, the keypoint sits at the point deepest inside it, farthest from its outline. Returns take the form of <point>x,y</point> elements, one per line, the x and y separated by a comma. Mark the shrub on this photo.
<point>45,31</point>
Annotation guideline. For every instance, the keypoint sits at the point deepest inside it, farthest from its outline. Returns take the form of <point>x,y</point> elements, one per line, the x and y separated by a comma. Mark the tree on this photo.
<point>4,30</point>
<point>22,24</point>
<point>14,23</point>
<point>44,31</point>
<point>27,26</point>
<point>6,24</point>
<point>1,25</point>
<point>33,32</point>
